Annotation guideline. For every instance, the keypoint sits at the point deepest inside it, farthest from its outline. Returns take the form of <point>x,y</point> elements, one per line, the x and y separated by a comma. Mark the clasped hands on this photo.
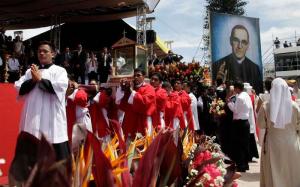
<point>35,73</point>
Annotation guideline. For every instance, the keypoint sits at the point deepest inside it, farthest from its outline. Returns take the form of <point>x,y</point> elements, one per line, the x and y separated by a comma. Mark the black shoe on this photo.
<point>241,170</point>
<point>226,161</point>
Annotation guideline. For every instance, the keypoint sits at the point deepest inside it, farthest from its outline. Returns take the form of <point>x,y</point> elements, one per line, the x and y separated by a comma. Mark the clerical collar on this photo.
<point>45,66</point>
<point>240,61</point>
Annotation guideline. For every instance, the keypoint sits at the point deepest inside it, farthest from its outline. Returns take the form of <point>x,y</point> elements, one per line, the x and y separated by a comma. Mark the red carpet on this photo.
<point>10,110</point>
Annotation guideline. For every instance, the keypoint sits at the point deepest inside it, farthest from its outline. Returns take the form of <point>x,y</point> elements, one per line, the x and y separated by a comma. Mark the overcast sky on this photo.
<point>181,21</point>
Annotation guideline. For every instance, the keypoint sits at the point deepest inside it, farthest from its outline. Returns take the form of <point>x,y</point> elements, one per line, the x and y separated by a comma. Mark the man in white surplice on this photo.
<point>187,88</point>
<point>44,112</point>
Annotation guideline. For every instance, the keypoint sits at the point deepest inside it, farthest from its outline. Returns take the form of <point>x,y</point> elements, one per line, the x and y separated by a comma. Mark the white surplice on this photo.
<point>194,111</point>
<point>45,112</point>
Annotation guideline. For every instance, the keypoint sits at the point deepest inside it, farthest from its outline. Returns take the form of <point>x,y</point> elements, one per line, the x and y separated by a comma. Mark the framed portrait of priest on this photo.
<point>236,49</point>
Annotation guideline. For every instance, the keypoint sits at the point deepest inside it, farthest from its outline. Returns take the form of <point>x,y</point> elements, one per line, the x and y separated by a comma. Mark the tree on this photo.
<point>235,7</point>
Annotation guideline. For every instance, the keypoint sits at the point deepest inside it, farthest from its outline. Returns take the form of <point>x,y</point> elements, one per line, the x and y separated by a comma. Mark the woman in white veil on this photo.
<point>280,153</point>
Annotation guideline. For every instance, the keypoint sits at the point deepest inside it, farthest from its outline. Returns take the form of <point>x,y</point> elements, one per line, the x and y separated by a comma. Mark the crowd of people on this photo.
<point>285,44</point>
<point>17,56</point>
<point>178,97</point>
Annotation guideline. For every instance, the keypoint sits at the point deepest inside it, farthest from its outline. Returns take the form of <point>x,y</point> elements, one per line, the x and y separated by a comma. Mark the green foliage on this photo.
<point>235,7</point>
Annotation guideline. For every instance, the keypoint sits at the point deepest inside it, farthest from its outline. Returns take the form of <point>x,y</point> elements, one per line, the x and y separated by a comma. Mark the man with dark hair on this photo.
<point>186,105</point>
<point>242,113</point>
<point>79,59</point>
<point>44,110</point>
<point>188,87</point>
<point>236,66</point>
<point>104,65</point>
<point>138,103</point>
<point>173,109</point>
<point>161,99</point>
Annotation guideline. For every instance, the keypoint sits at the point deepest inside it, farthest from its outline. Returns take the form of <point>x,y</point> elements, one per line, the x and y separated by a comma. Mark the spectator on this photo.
<point>2,38</point>
<point>13,68</point>
<point>298,42</point>
<point>67,57</point>
<point>9,44</point>
<point>104,65</point>
<point>18,46</point>
<point>277,43</point>
<point>79,64</point>
<point>154,60</point>
<point>169,58</point>
<point>285,44</point>
<point>92,65</point>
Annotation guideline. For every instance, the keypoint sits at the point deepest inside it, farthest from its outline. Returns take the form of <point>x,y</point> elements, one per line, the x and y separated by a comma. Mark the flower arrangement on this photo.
<point>192,72</point>
<point>206,166</point>
<point>217,107</point>
<point>151,160</point>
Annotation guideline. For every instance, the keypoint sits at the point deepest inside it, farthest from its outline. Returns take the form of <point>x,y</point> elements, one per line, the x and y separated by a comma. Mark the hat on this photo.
<point>291,82</point>
<point>247,87</point>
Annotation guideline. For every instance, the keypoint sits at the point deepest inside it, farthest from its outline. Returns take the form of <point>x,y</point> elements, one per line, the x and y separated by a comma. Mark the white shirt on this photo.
<point>1,62</point>
<point>200,102</point>
<point>243,109</point>
<point>194,111</point>
<point>13,64</point>
<point>44,112</point>
<point>90,65</point>
<point>105,57</point>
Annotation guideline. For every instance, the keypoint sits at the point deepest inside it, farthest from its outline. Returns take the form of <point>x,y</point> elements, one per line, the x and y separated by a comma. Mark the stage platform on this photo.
<point>10,111</point>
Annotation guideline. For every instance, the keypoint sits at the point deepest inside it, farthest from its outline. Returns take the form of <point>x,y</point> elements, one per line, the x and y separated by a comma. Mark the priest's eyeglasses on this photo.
<point>237,41</point>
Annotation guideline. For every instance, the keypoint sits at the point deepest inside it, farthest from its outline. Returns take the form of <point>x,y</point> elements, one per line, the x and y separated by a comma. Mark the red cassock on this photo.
<point>173,110</point>
<point>161,99</point>
<point>136,114</point>
<point>187,109</point>
<point>99,111</point>
<point>77,98</point>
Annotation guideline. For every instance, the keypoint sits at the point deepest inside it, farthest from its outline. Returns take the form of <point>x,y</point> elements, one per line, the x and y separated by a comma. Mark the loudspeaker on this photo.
<point>150,36</point>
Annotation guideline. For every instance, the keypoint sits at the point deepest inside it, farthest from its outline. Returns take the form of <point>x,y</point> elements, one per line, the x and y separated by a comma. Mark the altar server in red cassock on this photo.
<point>173,110</point>
<point>186,105</point>
<point>81,123</point>
<point>138,105</point>
<point>103,101</point>
<point>161,99</point>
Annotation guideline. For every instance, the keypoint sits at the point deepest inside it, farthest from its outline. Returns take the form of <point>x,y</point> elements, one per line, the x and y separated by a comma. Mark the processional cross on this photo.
<point>124,34</point>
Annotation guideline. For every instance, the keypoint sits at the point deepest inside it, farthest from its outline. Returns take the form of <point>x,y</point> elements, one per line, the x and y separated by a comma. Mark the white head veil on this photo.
<point>280,103</point>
